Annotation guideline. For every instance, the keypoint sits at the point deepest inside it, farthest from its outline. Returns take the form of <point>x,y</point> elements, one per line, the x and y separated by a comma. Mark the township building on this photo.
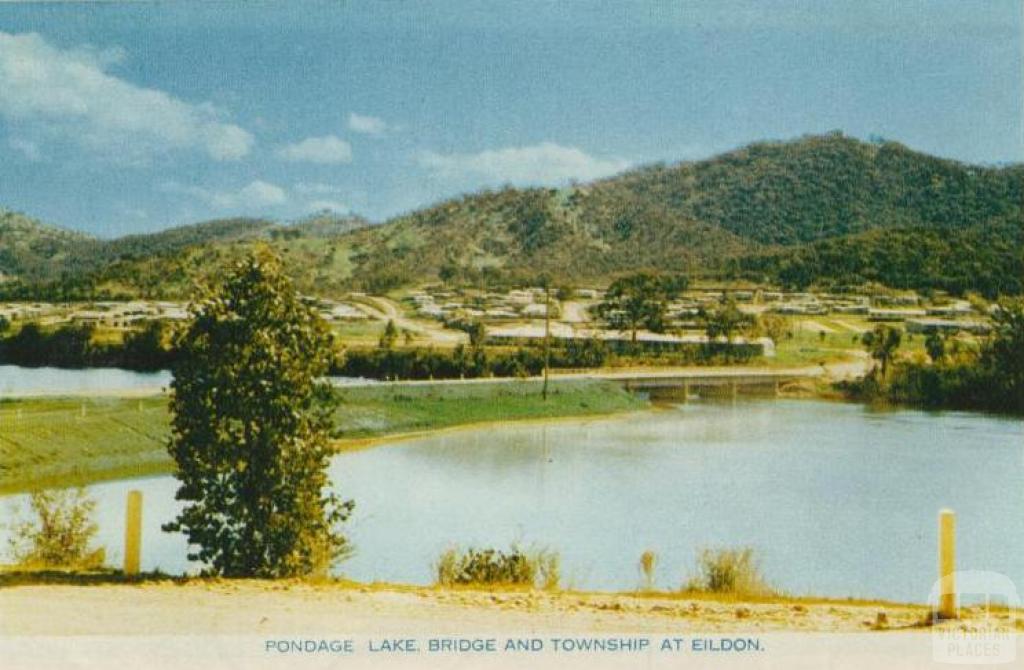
<point>617,340</point>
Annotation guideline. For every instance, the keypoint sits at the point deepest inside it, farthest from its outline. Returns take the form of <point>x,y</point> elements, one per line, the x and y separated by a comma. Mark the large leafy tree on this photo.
<point>250,427</point>
<point>639,301</point>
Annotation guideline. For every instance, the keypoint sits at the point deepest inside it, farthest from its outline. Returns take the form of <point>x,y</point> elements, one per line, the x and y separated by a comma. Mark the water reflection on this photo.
<point>837,500</point>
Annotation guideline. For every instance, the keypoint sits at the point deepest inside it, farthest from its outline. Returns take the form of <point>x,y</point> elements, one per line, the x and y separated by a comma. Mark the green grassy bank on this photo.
<point>67,441</point>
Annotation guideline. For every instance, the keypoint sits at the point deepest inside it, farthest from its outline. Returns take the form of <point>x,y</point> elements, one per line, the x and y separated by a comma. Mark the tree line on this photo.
<point>987,378</point>
<point>74,346</point>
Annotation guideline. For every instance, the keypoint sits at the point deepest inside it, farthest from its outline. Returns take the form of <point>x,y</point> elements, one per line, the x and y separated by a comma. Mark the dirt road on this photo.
<point>215,607</point>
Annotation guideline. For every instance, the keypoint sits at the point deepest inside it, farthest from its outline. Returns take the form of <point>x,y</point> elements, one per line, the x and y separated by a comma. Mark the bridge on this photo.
<point>716,381</point>
<point>660,382</point>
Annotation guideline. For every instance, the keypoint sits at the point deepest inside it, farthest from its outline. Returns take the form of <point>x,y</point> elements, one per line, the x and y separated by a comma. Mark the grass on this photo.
<point>399,408</point>
<point>362,333</point>
<point>59,442</point>
<point>69,441</point>
<point>733,572</point>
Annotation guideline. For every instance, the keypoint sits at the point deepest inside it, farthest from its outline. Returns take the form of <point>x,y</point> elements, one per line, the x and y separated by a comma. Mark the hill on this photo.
<point>163,264</point>
<point>33,251</point>
<point>821,210</point>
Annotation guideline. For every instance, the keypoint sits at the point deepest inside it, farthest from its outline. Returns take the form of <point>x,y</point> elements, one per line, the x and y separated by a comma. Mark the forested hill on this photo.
<point>30,249</point>
<point>822,210</point>
<point>778,211</point>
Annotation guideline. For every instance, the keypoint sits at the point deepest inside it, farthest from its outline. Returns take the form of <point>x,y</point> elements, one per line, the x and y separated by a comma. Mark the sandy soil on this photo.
<point>218,606</point>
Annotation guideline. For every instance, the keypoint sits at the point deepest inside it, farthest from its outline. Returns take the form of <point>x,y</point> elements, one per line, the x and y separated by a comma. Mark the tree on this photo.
<point>390,335</point>
<point>477,333</point>
<point>882,343</point>
<point>639,300</point>
<point>725,321</point>
<point>1003,354</point>
<point>144,349</point>
<point>250,419</point>
<point>935,345</point>
<point>774,326</point>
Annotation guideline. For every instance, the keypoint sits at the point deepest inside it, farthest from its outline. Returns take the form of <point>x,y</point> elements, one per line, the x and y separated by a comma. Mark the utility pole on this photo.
<point>547,337</point>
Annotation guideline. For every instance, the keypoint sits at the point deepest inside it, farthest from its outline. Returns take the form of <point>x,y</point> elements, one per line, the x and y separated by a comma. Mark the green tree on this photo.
<point>389,336</point>
<point>882,343</point>
<point>725,321</point>
<point>935,345</point>
<point>477,333</point>
<point>145,349</point>
<point>250,418</point>
<point>639,301</point>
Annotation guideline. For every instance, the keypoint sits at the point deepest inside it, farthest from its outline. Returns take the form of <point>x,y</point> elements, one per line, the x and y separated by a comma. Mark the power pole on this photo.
<point>547,337</point>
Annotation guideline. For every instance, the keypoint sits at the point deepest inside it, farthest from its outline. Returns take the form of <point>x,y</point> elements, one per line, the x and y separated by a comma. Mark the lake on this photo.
<point>16,380</point>
<point>837,499</point>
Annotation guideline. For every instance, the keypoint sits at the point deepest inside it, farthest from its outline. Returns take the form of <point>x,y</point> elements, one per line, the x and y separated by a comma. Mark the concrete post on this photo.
<point>947,564</point>
<point>133,533</point>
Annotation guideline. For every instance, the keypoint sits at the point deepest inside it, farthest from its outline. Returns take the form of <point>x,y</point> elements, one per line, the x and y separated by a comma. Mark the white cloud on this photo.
<point>331,205</point>
<point>327,149</point>
<point>545,163</point>
<point>254,195</point>
<point>69,92</point>
<point>368,125</point>
<point>316,188</point>
<point>26,148</point>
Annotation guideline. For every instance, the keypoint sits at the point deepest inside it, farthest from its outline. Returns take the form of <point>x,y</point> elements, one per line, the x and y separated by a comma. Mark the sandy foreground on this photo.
<point>257,607</point>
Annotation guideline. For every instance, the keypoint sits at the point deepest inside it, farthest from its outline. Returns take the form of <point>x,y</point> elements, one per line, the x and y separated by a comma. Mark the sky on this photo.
<point>120,118</point>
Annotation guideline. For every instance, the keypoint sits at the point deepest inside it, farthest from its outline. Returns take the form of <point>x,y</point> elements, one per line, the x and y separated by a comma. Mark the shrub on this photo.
<point>59,533</point>
<point>492,567</point>
<point>648,561</point>
<point>729,571</point>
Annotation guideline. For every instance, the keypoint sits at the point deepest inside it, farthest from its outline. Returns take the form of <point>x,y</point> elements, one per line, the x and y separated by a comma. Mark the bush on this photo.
<point>494,567</point>
<point>648,562</point>
<point>60,532</point>
<point>729,571</point>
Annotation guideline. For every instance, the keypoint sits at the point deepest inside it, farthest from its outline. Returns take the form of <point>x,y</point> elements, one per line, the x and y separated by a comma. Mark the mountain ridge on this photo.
<point>825,210</point>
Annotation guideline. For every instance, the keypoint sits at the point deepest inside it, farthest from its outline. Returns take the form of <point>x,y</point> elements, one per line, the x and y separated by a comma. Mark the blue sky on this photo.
<point>119,118</point>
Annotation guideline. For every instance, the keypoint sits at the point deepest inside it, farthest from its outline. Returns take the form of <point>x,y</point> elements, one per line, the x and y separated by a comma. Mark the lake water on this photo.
<point>21,381</point>
<point>16,380</point>
<point>836,499</point>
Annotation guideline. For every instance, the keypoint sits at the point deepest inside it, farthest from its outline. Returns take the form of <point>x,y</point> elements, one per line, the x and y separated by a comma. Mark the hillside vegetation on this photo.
<point>828,211</point>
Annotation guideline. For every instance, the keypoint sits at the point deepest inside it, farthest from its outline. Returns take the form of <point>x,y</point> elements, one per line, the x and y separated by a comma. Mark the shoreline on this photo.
<point>353,444</point>
<point>202,606</point>
<point>579,400</point>
<point>341,446</point>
